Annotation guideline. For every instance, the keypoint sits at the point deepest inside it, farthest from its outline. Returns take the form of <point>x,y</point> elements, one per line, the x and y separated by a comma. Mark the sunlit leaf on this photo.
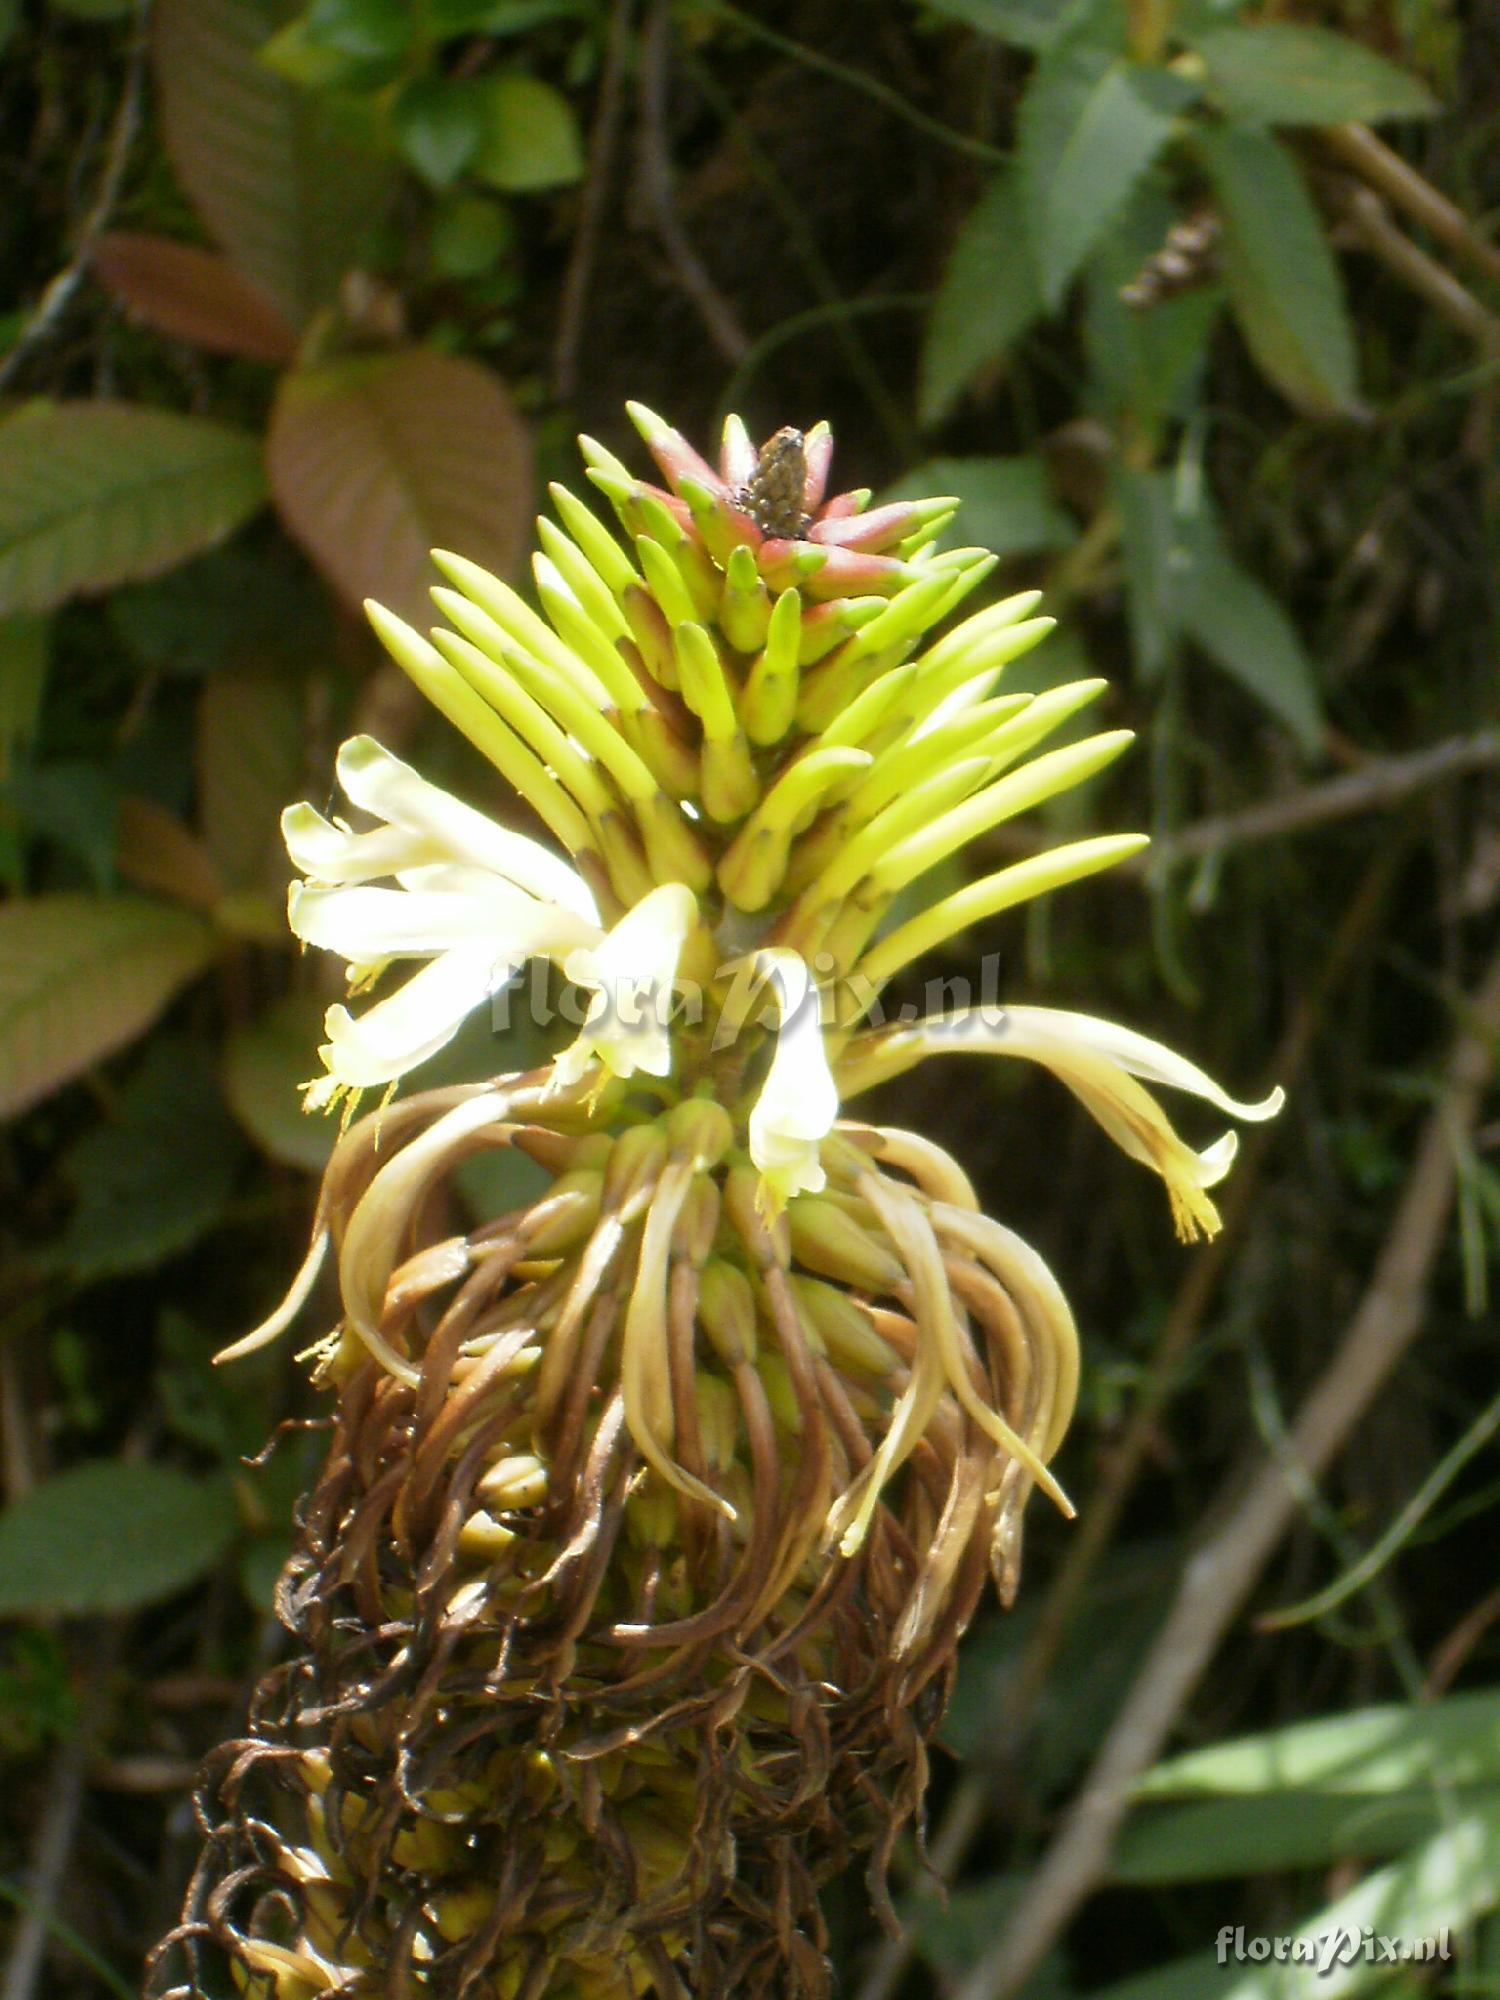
<point>1369,1750</point>
<point>987,299</point>
<point>109,1537</point>
<point>376,460</point>
<point>1285,284</point>
<point>193,295</point>
<point>286,180</point>
<point>1091,123</point>
<point>264,1064</point>
<point>79,977</point>
<point>94,494</point>
<point>1292,73</point>
<point>153,1178</point>
<point>1217,1839</point>
<point>530,138</point>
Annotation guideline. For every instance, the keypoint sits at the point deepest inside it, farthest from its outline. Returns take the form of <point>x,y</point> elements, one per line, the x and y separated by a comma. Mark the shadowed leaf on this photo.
<point>263,1065</point>
<point>192,294</point>
<point>986,301</point>
<point>250,759</point>
<point>109,1537</point>
<point>286,180</point>
<point>375,461</point>
<point>1291,73</point>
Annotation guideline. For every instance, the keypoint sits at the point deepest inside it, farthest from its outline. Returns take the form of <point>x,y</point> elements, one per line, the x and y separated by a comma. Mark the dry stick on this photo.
<point>602,142</point>
<point>1368,222</point>
<point>1219,1578</point>
<point>1384,781</point>
<point>62,290</point>
<point>1390,175</point>
<point>656,169</point>
<point>970,1805</point>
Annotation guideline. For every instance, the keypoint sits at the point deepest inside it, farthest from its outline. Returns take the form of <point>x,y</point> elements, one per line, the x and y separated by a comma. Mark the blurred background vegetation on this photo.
<point>1197,306</point>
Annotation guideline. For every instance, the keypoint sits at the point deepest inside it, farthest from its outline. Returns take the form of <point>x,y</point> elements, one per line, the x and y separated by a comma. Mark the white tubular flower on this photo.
<point>799,1100</point>
<point>1100,1063</point>
<point>474,898</point>
<point>631,972</point>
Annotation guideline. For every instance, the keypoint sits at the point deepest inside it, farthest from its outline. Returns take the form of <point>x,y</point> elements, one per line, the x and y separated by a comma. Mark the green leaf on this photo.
<point>1025,24</point>
<point>10,13</point>
<point>79,977</point>
<point>288,182</point>
<point>264,1065</point>
<point>252,604</point>
<point>1006,504</point>
<point>1090,125</point>
<point>96,10</point>
<point>1219,1839</point>
<point>74,804</point>
<point>987,299</point>
<point>438,124</point>
<point>1287,73</point>
<point>363,27</point>
<point>110,1537</point>
<point>1148,537</point>
<point>94,494</point>
<point>1455,1741</point>
<point>155,1178</point>
<point>531,139</point>
<point>376,460</point>
<point>470,234</point>
<point>1145,366</point>
<point>1243,629</point>
<point>1285,285</point>
<point>25,653</point>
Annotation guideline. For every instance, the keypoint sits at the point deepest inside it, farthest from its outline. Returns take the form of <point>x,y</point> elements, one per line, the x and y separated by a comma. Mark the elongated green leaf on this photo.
<point>263,1066</point>
<point>94,494</point>
<point>1005,504</point>
<point>153,1179</point>
<point>1289,73</point>
<point>1243,629</point>
<point>79,977</point>
<point>288,181</point>
<point>1218,1839</point>
<point>1285,285</point>
<point>110,1537</point>
<point>1026,24</point>
<point>1091,124</point>
<point>375,461</point>
<point>250,761</point>
<point>986,301</point>
<point>1423,1900</point>
<point>1369,1750</point>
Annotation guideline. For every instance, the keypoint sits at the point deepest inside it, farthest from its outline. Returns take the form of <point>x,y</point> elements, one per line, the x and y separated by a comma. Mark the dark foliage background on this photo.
<point>291,294</point>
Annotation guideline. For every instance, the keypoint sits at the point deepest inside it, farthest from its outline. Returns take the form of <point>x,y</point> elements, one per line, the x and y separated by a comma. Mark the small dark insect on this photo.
<point>1189,257</point>
<point>772,496</point>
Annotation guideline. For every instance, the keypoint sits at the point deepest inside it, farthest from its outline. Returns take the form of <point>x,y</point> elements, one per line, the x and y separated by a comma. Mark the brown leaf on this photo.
<point>156,852</point>
<point>286,179</point>
<point>192,294</point>
<point>373,461</point>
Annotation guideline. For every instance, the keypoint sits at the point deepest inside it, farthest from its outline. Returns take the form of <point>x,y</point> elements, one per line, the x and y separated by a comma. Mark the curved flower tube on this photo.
<point>799,1099</point>
<point>1100,1063</point>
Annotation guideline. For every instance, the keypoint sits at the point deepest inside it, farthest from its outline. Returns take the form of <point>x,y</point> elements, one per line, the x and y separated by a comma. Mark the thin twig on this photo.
<point>1383,782</point>
<point>858,79</point>
<point>1385,171</point>
<point>54,302</point>
<point>656,170</point>
<point>1219,1578</point>
<point>602,142</point>
<point>1368,222</point>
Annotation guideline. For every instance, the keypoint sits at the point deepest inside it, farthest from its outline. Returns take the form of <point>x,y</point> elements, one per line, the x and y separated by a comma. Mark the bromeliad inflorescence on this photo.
<point>628,1595</point>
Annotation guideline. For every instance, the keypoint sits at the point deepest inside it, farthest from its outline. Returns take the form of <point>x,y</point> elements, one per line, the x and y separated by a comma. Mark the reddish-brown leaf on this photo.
<point>374,461</point>
<point>193,295</point>
<point>154,851</point>
<point>285,179</point>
